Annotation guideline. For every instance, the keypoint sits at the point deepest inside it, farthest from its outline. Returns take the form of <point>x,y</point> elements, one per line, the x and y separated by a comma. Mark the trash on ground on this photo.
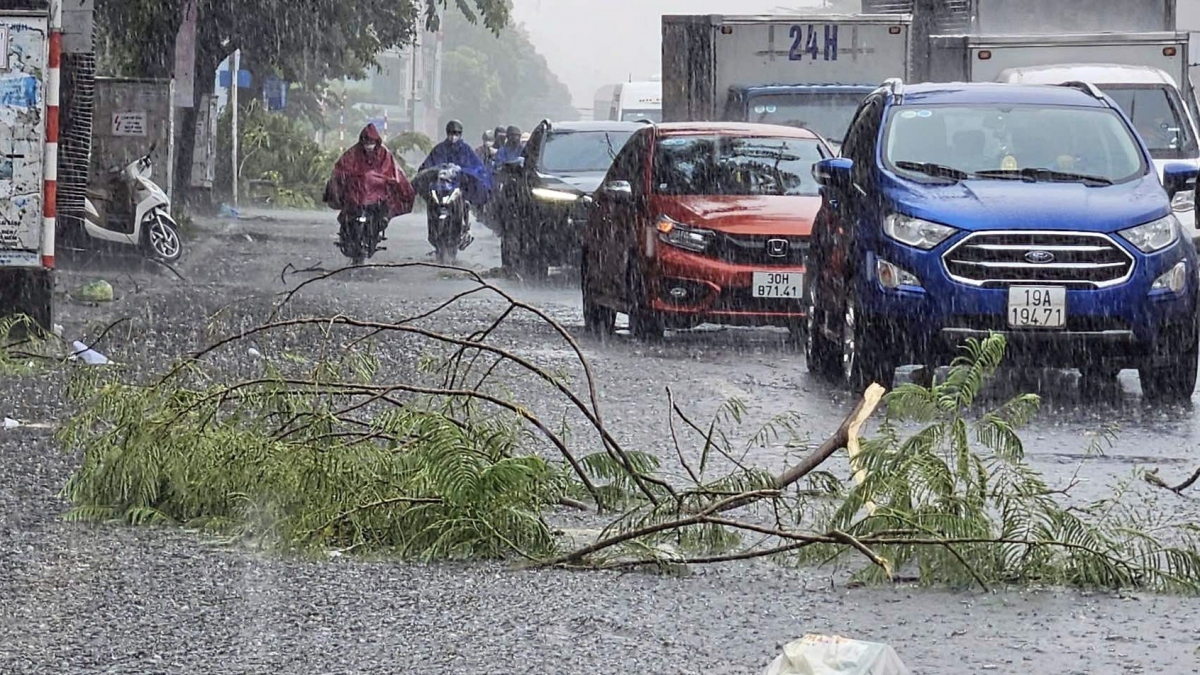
<point>10,423</point>
<point>97,291</point>
<point>835,655</point>
<point>89,355</point>
<point>228,211</point>
<point>254,352</point>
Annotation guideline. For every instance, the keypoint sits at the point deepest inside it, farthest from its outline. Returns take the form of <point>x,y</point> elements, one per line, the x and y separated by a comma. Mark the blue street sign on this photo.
<point>243,78</point>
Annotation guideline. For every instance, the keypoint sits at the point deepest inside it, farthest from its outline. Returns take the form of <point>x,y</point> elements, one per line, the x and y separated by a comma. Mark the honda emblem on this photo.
<point>777,248</point>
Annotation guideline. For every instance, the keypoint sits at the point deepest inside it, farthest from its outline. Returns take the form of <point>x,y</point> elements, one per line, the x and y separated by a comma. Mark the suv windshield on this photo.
<point>734,165</point>
<point>999,141</point>
<point>580,151</point>
<point>1158,118</point>
<point>826,114</point>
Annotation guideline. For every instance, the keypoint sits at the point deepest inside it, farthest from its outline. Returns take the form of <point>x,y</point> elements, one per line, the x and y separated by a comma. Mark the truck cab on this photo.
<point>1151,99</point>
<point>823,108</point>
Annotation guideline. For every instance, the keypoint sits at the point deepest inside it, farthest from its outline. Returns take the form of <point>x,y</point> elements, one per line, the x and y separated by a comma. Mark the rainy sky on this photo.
<point>590,43</point>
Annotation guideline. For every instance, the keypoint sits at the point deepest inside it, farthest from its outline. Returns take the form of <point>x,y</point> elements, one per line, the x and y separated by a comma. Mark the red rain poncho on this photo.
<point>361,179</point>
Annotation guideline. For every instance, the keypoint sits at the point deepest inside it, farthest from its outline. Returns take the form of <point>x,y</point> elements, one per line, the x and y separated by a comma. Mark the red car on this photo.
<point>702,222</point>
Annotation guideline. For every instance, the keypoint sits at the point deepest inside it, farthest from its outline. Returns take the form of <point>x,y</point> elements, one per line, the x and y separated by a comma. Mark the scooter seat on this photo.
<point>99,194</point>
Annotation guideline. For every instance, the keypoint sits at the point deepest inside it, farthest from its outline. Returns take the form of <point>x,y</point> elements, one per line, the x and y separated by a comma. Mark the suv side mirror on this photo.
<point>833,172</point>
<point>617,190</point>
<point>1178,177</point>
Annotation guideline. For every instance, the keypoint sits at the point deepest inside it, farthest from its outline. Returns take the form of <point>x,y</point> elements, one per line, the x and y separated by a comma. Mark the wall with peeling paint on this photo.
<point>22,136</point>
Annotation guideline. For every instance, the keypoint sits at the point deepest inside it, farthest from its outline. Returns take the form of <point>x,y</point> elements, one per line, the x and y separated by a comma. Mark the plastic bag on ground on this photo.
<point>834,655</point>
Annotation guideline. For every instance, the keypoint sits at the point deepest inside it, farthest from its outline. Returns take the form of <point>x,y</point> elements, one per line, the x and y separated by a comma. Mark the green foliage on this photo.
<point>406,142</point>
<point>271,461</point>
<point>490,80</point>
<point>276,151</point>
<point>956,503</point>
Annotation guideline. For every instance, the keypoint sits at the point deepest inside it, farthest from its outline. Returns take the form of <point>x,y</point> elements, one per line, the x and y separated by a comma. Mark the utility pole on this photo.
<point>235,68</point>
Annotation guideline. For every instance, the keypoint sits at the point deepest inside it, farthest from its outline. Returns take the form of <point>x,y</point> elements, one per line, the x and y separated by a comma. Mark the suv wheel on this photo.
<point>644,323</point>
<point>864,350</point>
<point>820,353</point>
<point>1173,384</point>
<point>597,319</point>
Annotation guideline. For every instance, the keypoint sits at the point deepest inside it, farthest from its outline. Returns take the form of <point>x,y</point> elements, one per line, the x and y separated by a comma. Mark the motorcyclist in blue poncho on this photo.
<point>512,148</point>
<point>454,150</point>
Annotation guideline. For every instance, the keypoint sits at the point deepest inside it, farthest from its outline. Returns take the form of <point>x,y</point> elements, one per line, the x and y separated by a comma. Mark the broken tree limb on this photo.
<point>1153,479</point>
<point>854,421</point>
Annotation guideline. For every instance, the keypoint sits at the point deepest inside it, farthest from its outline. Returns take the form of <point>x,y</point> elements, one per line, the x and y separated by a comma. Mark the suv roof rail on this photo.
<point>894,85</point>
<point>1086,87</point>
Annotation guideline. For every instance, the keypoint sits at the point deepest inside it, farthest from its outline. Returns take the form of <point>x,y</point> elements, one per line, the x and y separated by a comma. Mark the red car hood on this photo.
<point>743,215</point>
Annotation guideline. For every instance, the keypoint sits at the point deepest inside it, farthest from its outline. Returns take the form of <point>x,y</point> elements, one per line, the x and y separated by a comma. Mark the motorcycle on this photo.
<point>446,210</point>
<point>130,209</point>
<point>358,239</point>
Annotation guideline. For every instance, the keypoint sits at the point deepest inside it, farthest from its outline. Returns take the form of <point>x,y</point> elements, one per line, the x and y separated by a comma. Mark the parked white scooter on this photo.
<point>132,210</point>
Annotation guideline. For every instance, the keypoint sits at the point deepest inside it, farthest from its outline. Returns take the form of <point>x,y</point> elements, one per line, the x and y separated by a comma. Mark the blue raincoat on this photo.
<point>479,185</point>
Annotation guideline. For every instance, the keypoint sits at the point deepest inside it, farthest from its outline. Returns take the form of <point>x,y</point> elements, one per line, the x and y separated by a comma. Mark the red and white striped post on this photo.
<point>53,78</point>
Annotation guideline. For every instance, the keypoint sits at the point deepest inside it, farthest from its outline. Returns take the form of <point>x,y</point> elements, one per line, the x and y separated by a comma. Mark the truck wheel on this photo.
<point>644,323</point>
<point>1173,384</point>
<point>820,353</point>
<point>597,319</point>
<point>864,351</point>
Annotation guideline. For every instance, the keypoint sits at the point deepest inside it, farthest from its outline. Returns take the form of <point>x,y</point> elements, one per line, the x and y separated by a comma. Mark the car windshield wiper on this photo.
<point>1035,174</point>
<point>935,170</point>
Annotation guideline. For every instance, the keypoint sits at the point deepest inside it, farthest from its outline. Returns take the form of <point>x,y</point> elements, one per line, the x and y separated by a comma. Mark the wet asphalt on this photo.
<point>107,599</point>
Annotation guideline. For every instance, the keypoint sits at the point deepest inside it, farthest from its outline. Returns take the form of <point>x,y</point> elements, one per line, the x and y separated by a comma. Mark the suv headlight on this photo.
<point>683,236</point>
<point>915,232</point>
<point>549,195</point>
<point>1154,235</point>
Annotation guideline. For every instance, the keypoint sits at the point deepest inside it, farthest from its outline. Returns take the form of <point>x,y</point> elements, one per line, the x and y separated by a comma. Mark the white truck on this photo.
<point>804,70</point>
<point>1145,73</point>
<point>602,102</point>
<point>635,101</point>
<point>30,48</point>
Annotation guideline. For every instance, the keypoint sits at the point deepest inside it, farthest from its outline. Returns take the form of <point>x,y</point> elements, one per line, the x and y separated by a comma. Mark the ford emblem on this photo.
<point>1039,257</point>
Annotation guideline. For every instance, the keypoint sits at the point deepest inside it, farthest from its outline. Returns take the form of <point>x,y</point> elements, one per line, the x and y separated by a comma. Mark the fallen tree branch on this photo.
<point>1153,479</point>
<point>855,420</point>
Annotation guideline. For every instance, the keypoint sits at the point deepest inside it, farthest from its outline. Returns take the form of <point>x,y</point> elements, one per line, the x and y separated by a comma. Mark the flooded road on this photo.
<point>101,599</point>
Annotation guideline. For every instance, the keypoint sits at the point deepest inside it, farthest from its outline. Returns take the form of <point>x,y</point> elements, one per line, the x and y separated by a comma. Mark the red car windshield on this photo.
<point>736,166</point>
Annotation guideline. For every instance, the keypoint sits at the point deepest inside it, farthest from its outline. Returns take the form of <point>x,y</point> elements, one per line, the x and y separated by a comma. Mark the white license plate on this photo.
<point>1037,307</point>
<point>777,285</point>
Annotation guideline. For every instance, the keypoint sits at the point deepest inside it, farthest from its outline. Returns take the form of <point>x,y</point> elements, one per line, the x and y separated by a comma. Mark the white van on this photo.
<point>636,101</point>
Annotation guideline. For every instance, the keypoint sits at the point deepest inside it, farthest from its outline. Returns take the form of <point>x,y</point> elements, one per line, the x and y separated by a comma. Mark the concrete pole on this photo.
<point>235,68</point>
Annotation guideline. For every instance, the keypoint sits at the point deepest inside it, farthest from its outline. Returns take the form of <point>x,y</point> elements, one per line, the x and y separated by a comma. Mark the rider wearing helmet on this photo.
<point>512,147</point>
<point>486,150</point>
<point>454,150</point>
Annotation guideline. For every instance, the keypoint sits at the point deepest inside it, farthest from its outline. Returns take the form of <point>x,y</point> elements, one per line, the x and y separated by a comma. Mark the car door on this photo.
<point>607,236</point>
<point>848,205</point>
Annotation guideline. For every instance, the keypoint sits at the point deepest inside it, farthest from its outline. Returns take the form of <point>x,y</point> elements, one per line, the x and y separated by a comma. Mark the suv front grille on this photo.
<point>753,249</point>
<point>1077,259</point>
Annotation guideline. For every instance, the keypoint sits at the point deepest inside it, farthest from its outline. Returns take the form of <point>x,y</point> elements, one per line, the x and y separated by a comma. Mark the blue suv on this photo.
<point>958,209</point>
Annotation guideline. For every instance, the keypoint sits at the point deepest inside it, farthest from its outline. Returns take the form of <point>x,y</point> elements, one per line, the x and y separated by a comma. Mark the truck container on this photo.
<point>805,70</point>
<point>30,44</point>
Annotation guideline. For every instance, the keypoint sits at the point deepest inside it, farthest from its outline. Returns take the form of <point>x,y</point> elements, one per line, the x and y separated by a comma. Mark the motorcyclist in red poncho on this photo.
<point>367,176</point>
